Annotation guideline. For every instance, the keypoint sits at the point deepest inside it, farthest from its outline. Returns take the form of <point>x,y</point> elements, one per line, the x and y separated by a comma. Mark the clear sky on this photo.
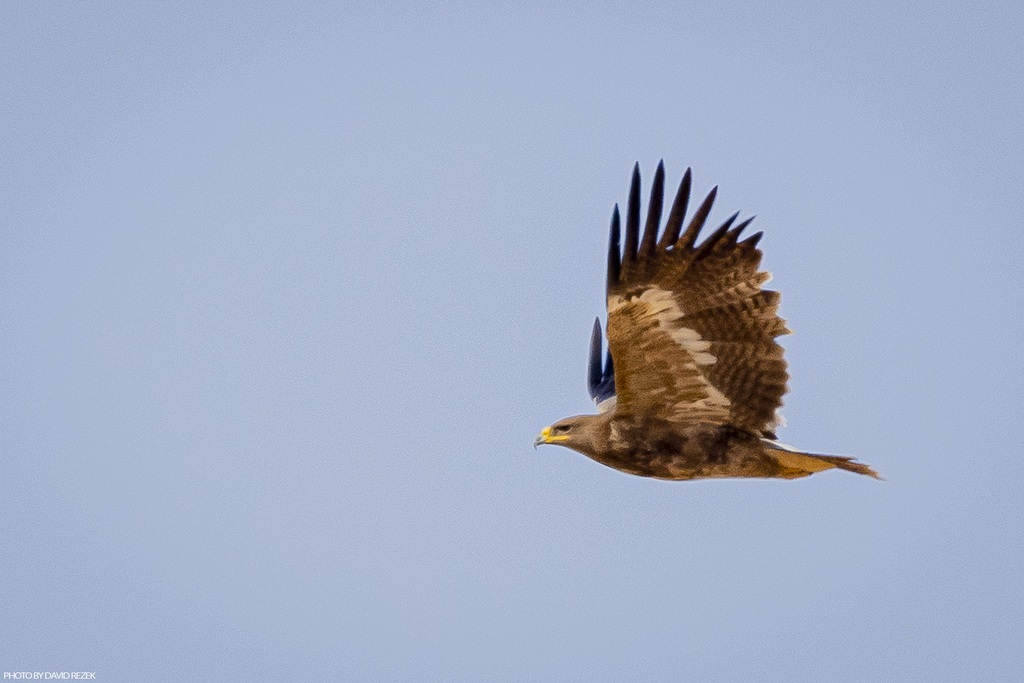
<point>285,295</point>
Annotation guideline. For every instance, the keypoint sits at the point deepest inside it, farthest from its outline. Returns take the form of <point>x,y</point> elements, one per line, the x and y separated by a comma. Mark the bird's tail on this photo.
<point>795,464</point>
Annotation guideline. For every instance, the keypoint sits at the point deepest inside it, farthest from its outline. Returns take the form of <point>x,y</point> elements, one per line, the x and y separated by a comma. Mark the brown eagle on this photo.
<point>694,377</point>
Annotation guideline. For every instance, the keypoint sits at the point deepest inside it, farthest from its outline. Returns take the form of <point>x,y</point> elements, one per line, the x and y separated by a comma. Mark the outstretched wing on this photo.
<point>691,331</point>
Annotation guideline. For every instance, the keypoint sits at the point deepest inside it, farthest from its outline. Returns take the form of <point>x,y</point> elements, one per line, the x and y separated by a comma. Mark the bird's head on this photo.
<point>580,433</point>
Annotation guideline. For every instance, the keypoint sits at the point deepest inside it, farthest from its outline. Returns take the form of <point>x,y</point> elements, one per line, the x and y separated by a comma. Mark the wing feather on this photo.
<point>653,213</point>
<point>614,256</point>
<point>600,379</point>
<point>632,218</point>
<point>675,217</point>
<point>689,237</point>
<point>690,328</point>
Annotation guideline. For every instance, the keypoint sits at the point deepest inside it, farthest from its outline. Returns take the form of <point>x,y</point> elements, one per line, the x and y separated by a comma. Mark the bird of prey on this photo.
<point>694,378</point>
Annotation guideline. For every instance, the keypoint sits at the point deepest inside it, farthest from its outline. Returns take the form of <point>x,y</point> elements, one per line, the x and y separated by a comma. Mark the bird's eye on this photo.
<point>562,429</point>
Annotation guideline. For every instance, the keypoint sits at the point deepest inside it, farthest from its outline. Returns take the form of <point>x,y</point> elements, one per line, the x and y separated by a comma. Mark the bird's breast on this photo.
<point>698,451</point>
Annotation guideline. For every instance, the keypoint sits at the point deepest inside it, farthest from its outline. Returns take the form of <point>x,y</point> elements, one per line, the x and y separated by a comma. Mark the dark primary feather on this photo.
<point>614,259</point>
<point>753,239</point>
<point>594,369</point>
<point>675,217</point>
<point>654,212</point>
<point>600,381</point>
<point>689,236</point>
<point>632,219</point>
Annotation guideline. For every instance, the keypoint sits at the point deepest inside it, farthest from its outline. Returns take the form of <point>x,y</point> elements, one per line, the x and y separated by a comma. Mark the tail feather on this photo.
<point>796,464</point>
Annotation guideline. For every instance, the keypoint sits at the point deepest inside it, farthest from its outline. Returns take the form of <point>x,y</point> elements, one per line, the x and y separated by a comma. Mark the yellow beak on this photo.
<point>546,436</point>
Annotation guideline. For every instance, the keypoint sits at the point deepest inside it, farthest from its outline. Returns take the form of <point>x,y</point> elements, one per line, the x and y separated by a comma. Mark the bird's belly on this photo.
<point>701,453</point>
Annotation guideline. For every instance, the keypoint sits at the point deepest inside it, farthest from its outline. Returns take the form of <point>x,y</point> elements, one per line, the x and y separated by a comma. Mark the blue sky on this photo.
<point>285,295</point>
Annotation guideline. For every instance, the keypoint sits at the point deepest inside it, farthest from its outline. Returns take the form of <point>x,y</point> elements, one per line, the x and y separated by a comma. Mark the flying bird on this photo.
<point>693,379</point>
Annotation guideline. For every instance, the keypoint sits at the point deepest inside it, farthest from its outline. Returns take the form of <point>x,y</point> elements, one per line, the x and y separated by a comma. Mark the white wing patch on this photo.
<point>661,305</point>
<point>691,341</point>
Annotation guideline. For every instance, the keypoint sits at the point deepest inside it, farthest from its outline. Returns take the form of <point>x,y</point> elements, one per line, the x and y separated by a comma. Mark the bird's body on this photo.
<point>694,376</point>
<point>680,451</point>
<point>666,450</point>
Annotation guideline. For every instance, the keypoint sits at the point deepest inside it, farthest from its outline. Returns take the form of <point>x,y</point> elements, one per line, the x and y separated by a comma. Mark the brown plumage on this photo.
<point>698,377</point>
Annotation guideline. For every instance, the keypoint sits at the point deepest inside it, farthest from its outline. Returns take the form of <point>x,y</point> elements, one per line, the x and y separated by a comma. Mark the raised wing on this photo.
<point>600,379</point>
<point>691,331</point>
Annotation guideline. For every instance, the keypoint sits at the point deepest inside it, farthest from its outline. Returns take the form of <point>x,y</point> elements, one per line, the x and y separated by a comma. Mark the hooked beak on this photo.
<point>546,436</point>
